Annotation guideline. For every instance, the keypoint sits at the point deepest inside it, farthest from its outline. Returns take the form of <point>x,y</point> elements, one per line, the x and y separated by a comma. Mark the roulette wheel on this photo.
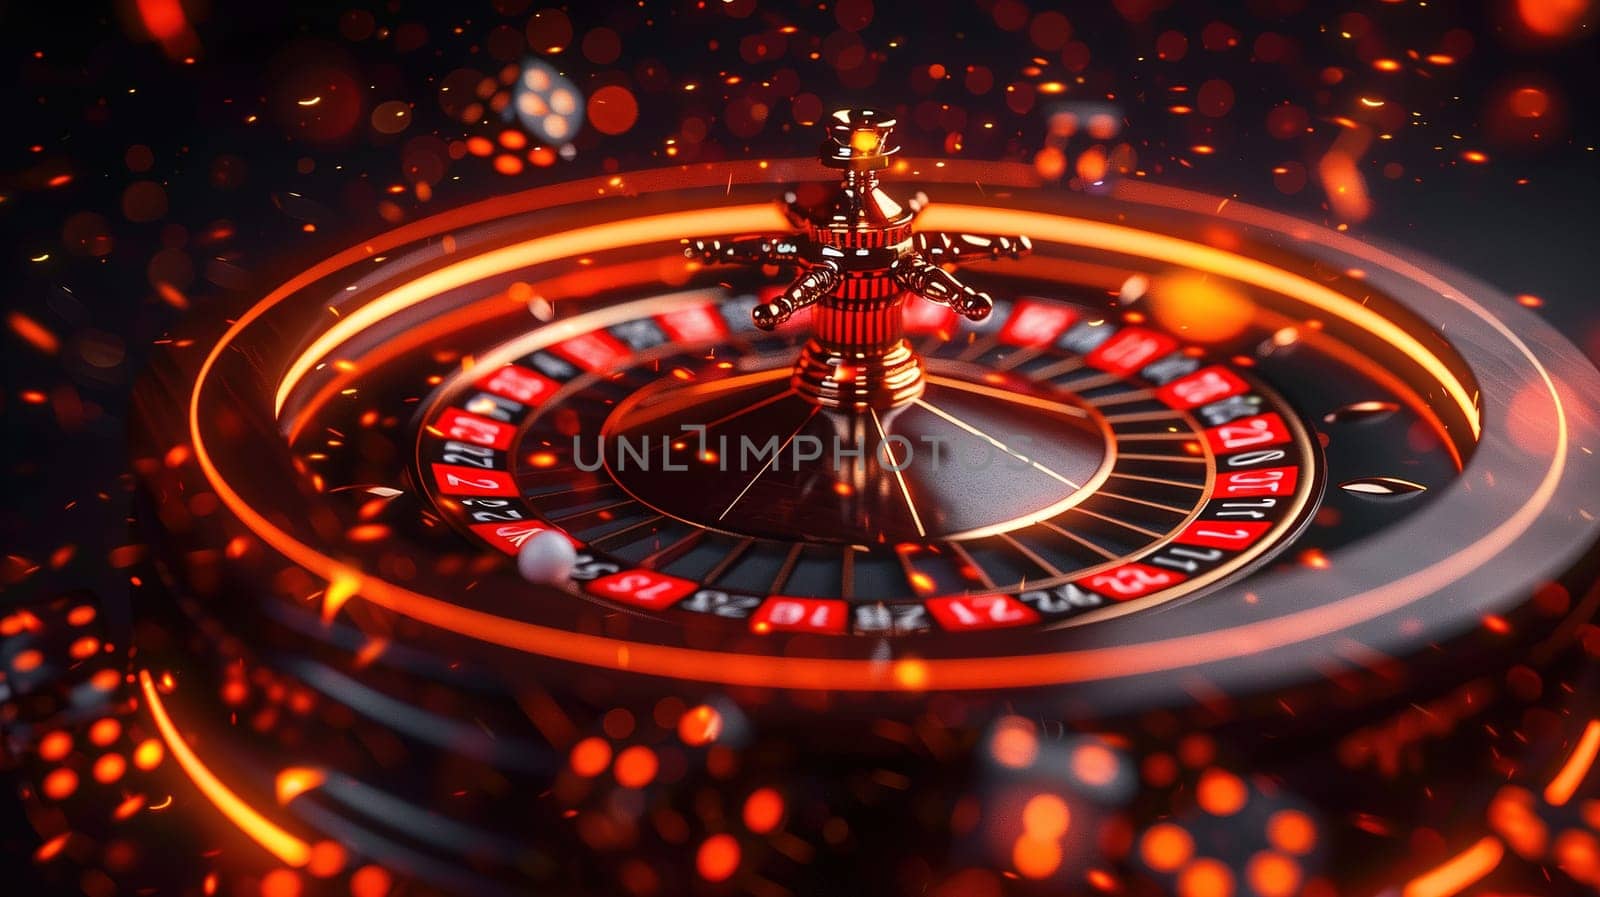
<point>928,530</point>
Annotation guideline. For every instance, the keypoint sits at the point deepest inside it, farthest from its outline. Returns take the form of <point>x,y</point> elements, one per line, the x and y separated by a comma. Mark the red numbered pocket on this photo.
<point>592,351</point>
<point>1222,534</point>
<point>1131,581</point>
<point>1130,349</point>
<point>1036,324</point>
<point>1207,385</point>
<point>1248,433</point>
<point>697,323</point>
<point>1267,481</point>
<point>463,427</point>
<point>922,316</point>
<point>642,588</point>
<point>519,384</point>
<point>457,480</point>
<point>799,615</point>
<point>508,537</point>
<point>961,612</point>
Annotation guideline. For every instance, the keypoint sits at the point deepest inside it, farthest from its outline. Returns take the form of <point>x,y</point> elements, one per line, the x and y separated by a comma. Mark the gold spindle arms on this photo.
<point>807,289</point>
<point>858,255</point>
<point>941,248</point>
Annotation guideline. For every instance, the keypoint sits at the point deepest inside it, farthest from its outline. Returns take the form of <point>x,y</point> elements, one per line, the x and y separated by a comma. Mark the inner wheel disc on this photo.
<point>746,455</point>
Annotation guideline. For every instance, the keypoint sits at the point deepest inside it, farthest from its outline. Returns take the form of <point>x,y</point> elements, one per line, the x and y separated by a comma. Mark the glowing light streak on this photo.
<point>341,588</point>
<point>286,847</point>
<point>1458,873</point>
<point>294,781</point>
<point>598,238</point>
<point>33,333</point>
<point>1576,769</point>
<point>1183,253</point>
<point>964,673</point>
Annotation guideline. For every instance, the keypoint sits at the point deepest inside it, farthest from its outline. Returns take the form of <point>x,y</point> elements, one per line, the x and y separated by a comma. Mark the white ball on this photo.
<point>546,558</point>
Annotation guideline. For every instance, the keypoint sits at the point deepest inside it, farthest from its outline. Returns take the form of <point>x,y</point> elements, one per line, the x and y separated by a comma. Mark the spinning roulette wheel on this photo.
<point>646,536</point>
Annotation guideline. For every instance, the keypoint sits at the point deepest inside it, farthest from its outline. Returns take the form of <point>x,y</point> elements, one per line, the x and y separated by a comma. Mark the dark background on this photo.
<point>144,179</point>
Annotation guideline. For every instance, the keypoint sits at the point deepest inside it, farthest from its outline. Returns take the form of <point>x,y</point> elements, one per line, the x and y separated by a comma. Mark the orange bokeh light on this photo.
<point>1529,102</point>
<point>59,784</point>
<point>1166,847</point>
<point>370,881</point>
<point>1221,793</point>
<point>700,726</point>
<point>1552,18</point>
<point>636,767</point>
<point>1014,744</point>
<point>54,746</point>
<point>1206,878</point>
<point>327,859</point>
<point>148,754</point>
<point>1201,307</point>
<point>1045,816</point>
<point>718,858</point>
<point>1273,874</point>
<point>763,810</point>
<point>1036,857</point>
<point>613,109</point>
<point>109,768</point>
<point>104,731</point>
<point>1094,764</point>
<point>590,757</point>
<point>281,883</point>
<point>1291,831</point>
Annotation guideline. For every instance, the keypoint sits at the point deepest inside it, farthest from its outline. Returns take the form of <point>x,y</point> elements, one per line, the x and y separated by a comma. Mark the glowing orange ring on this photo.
<point>1030,670</point>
